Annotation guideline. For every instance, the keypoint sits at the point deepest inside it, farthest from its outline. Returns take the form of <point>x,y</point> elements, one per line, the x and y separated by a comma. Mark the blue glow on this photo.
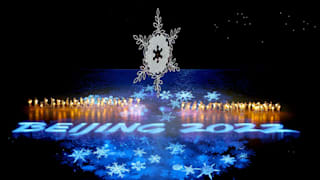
<point>153,128</point>
<point>155,140</point>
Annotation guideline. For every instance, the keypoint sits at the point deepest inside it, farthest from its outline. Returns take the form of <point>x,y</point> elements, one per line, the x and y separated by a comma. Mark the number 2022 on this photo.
<point>237,127</point>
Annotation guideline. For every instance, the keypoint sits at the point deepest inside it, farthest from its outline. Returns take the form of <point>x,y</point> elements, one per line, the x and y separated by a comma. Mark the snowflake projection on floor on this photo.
<point>157,51</point>
<point>228,160</point>
<point>176,148</point>
<point>79,154</point>
<point>117,169</point>
<point>154,159</point>
<point>212,96</point>
<point>138,165</point>
<point>189,170</point>
<point>184,96</point>
<point>207,170</point>
<point>166,116</point>
<point>141,94</point>
<point>167,155</point>
<point>165,95</point>
<point>102,152</point>
<point>175,104</point>
<point>139,152</point>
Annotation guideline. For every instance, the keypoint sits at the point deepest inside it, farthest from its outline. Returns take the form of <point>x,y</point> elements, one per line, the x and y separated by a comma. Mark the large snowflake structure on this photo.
<point>157,51</point>
<point>79,154</point>
<point>165,95</point>
<point>154,159</point>
<point>184,96</point>
<point>212,96</point>
<point>117,169</point>
<point>176,148</point>
<point>166,116</point>
<point>138,165</point>
<point>102,152</point>
<point>228,160</point>
<point>207,170</point>
<point>139,152</point>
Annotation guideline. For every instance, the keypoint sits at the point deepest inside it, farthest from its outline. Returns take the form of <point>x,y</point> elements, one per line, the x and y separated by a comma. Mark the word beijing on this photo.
<point>152,128</point>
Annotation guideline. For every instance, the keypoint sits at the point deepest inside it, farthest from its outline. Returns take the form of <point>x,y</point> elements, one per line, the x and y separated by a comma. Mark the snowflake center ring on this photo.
<point>157,55</point>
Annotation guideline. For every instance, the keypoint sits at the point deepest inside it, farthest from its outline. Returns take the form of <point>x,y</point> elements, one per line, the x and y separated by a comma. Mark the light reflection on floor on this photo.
<point>175,153</point>
<point>138,155</point>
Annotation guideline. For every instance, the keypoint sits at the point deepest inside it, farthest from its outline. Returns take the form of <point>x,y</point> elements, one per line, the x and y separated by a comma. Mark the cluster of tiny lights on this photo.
<point>83,102</point>
<point>239,106</point>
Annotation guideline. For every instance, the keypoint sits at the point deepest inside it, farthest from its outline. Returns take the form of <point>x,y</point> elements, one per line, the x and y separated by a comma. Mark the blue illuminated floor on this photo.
<point>158,139</point>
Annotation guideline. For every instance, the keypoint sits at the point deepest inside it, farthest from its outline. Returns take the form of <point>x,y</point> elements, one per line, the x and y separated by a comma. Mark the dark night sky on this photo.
<point>49,44</point>
<point>212,36</point>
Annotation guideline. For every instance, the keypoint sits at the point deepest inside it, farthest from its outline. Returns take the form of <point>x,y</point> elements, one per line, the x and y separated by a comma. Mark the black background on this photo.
<point>49,44</point>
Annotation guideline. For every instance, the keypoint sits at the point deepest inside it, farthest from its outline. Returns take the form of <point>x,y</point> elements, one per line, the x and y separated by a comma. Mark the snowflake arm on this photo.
<point>141,40</point>
<point>173,66</point>
<point>141,75</point>
<point>174,35</point>
<point>158,22</point>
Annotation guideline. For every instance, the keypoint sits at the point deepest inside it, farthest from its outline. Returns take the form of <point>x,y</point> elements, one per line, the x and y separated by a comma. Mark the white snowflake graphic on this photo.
<point>154,159</point>
<point>166,116</point>
<point>157,51</point>
<point>139,152</point>
<point>138,166</point>
<point>207,170</point>
<point>228,160</point>
<point>117,169</point>
<point>175,104</point>
<point>184,96</point>
<point>165,95</point>
<point>189,170</point>
<point>102,152</point>
<point>80,154</point>
<point>212,96</point>
<point>141,94</point>
<point>176,148</point>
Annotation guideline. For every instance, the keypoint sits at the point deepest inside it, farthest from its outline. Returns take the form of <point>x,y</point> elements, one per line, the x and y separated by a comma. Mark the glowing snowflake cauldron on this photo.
<point>157,50</point>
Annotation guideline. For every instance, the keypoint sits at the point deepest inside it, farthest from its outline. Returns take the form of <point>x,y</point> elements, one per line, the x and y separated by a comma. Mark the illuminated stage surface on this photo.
<point>156,138</point>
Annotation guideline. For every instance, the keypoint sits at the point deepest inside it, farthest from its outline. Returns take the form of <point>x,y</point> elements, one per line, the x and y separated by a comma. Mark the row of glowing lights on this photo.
<point>251,106</point>
<point>82,102</point>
